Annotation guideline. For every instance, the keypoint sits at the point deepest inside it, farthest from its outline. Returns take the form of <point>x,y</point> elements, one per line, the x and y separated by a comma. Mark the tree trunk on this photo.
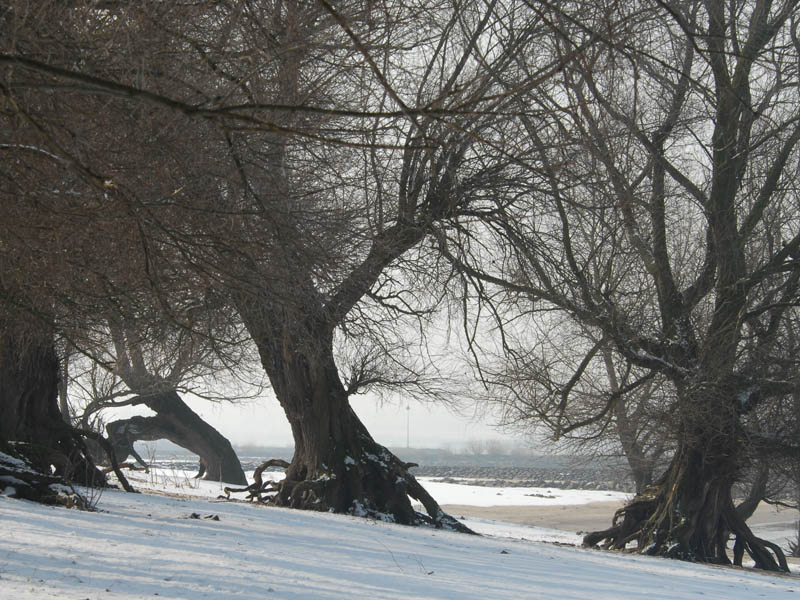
<point>757,490</point>
<point>640,465</point>
<point>337,466</point>
<point>39,448</point>
<point>796,546</point>
<point>689,512</point>
<point>63,387</point>
<point>176,422</point>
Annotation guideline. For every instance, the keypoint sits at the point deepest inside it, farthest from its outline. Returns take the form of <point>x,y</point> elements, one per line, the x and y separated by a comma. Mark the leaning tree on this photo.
<point>662,214</point>
<point>151,363</point>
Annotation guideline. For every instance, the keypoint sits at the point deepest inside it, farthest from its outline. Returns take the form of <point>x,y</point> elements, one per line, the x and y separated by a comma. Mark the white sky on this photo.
<point>263,423</point>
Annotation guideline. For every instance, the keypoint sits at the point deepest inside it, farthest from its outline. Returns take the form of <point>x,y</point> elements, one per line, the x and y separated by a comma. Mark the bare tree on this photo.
<point>426,174</point>
<point>591,399</point>
<point>661,214</point>
<point>293,156</point>
<point>39,449</point>
<point>69,253</point>
<point>151,366</point>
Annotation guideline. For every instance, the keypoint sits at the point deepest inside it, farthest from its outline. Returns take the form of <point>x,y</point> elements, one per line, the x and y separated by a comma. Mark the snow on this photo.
<point>476,495</point>
<point>498,529</point>
<point>177,480</point>
<point>11,462</point>
<point>168,546</point>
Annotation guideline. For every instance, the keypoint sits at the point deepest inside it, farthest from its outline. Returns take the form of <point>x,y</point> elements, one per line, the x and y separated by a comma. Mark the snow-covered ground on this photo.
<point>148,545</point>
<point>182,481</point>
<point>476,495</point>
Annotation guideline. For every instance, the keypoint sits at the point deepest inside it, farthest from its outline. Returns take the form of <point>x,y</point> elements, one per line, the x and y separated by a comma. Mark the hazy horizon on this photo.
<point>262,423</point>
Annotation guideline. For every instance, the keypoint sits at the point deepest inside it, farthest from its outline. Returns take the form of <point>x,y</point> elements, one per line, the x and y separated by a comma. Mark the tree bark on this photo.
<point>63,387</point>
<point>39,449</point>
<point>176,422</point>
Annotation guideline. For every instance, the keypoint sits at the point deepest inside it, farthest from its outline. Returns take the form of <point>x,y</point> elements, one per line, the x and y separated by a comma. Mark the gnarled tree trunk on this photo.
<point>40,452</point>
<point>337,466</point>
<point>689,512</point>
<point>176,422</point>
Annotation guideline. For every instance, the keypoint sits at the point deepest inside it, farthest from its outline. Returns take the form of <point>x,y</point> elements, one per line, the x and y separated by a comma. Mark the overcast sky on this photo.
<point>263,423</point>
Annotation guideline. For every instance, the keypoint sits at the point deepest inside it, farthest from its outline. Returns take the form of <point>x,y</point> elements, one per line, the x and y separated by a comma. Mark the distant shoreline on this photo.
<point>591,516</point>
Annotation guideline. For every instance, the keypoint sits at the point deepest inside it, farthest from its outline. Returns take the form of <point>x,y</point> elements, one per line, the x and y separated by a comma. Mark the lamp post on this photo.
<point>408,425</point>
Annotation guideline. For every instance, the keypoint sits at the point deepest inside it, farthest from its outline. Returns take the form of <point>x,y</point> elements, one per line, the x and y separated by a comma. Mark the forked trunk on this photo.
<point>337,466</point>
<point>689,512</point>
<point>39,449</point>
<point>176,422</point>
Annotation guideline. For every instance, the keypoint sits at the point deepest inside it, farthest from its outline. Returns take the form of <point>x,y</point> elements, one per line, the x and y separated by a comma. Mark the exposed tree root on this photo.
<point>766,555</point>
<point>378,486</point>
<point>258,489</point>
<point>688,526</point>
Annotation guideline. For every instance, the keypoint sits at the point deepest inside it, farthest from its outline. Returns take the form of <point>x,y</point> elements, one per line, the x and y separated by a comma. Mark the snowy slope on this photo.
<point>145,546</point>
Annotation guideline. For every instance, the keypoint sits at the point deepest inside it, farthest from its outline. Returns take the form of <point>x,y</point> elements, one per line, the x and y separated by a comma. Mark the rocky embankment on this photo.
<point>545,471</point>
<point>578,478</point>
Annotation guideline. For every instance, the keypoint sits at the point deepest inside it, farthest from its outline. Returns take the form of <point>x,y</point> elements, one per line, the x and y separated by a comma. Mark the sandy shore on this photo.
<point>597,515</point>
<point>768,521</point>
<point>583,517</point>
